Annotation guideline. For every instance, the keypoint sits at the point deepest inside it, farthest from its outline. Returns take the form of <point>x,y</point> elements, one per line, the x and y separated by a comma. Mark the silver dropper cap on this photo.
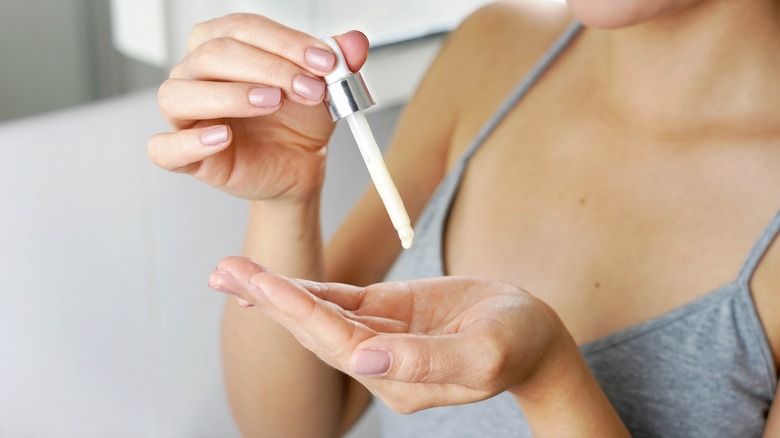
<point>347,91</point>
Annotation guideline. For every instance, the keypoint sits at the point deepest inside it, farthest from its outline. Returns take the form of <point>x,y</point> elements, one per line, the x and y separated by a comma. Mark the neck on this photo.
<point>709,67</point>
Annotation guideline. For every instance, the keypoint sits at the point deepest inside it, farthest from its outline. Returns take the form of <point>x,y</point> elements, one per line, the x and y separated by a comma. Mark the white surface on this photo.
<point>140,25</point>
<point>107,328</point>
<point>383,21</point>
<point>138,30</point>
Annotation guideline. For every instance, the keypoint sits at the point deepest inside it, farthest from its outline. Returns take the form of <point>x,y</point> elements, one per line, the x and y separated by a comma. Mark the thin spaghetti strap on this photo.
<point>523,87</point>
<point>435,213</point>
<point>759,250</point>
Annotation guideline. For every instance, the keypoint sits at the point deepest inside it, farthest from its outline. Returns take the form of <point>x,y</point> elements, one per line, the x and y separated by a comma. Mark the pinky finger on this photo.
<point>180,151</point>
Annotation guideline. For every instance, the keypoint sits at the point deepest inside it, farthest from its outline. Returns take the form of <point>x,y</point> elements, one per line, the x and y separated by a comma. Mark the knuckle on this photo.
<point>213,47</point>
<point>238,21</point>
<point>153,151</point>
<point>496,359</point>
<point>422,368</point>
<point>196,34</point>
<point>406,409</point>
<point>202,57</point>
<point>198,30</point>
<point>400,406</point>
<point>164,94</point>
<point>177,71</point>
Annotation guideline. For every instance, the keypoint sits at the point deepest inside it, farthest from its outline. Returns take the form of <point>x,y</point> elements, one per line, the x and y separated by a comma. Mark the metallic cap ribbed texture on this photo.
<point>347,96</point>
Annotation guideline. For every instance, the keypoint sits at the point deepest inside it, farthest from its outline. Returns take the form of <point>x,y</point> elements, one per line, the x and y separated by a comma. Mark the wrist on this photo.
<point>563,398</point>
<point>288,214</point>
<point>285,236</point>
<point>561,367</point>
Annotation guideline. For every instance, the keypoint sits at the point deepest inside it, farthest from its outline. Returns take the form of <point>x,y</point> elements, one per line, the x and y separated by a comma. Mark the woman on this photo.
<point>624,184</point>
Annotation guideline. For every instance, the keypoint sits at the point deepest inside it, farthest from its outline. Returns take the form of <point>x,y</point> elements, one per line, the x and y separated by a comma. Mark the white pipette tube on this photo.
<point>347,97</point>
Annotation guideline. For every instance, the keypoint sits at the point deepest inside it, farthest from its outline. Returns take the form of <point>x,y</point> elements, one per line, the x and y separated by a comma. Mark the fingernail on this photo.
<point>214,136</point>
<point>371,362</point>
<point>308,88</point>
<point>244,303</point>
<point>221,281</point>
<point>320,59</point>
<point>265,97</point>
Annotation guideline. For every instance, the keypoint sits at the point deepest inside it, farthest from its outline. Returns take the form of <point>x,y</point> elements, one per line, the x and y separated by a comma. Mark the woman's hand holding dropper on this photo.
<point>245,104</point>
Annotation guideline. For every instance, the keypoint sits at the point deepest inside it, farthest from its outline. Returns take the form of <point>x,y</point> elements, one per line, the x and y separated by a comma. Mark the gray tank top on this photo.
<point>702,370</point>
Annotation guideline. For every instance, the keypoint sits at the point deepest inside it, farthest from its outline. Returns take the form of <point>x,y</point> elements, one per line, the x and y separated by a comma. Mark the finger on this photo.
<point>232,276</point>
<point>244,303</point>
<point>300,48</point>
<point>353,301</point>
<point>388,300</point>
<point>354,45</point>
<point>466,359</point>
<point>228,60</point>
<point>379,324</point>
<point>318,318</point>
<point>183,101</point>
<point>225,282</point>
<point>346,296</point>
<point>181,151</point>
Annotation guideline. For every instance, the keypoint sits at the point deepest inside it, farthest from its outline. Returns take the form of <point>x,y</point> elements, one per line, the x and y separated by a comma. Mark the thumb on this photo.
<point>354,45</point>
<point>459,358</point>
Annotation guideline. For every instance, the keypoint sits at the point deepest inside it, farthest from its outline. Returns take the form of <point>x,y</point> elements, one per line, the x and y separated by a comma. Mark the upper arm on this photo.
<point>766,296</point>
<point>773,419</point>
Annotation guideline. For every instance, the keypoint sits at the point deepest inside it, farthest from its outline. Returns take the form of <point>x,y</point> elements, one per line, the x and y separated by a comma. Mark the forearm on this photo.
<point>271,380</point>
<point>564,399</point>
<point>286,238</point>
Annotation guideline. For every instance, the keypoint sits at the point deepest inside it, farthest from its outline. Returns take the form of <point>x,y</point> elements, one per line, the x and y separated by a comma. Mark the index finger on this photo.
<point>306,51</point>
<point>343,295</point>
<point>304,311</point>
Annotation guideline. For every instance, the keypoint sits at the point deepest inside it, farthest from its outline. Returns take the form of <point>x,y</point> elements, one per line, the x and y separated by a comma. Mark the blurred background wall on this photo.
<point>107,328</point>
<point>59,53</point>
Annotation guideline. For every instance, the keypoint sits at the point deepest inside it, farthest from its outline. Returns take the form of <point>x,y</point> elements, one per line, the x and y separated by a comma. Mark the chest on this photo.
<point>606,229</point>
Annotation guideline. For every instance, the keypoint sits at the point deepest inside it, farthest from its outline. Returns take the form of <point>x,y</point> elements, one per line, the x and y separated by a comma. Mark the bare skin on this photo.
<point>636,194</point>
<point>657,179</point>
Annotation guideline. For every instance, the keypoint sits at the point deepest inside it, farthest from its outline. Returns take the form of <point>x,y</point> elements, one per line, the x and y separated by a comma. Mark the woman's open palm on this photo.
<point>415,344</point>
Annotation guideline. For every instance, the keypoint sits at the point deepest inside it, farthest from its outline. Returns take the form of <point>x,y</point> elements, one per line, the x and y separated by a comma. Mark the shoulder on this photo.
<point>502,36</point>
<point>485,55</point>
<point>512,30</point>
<point>490,51</point>
<point>526,19</point>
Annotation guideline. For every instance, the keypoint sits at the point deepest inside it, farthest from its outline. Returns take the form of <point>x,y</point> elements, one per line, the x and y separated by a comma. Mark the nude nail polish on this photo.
<point>309,88</point>
<point>214,136</point>
<point>372,362</point>
<point>320,59</point>
<point>265,97</point>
